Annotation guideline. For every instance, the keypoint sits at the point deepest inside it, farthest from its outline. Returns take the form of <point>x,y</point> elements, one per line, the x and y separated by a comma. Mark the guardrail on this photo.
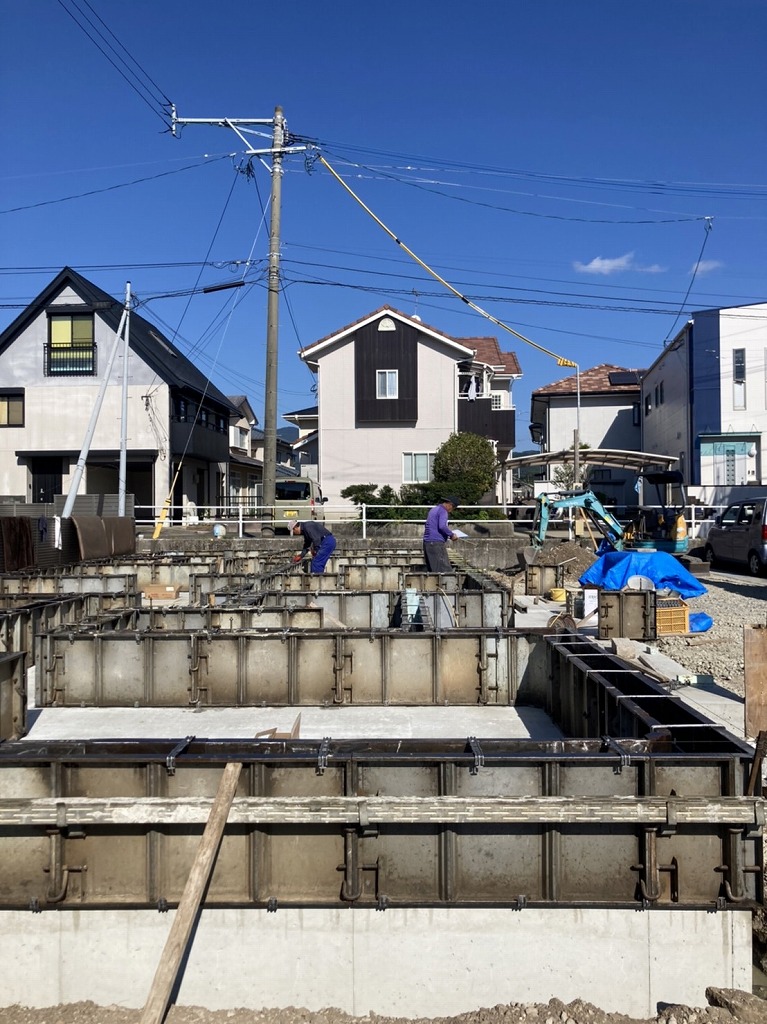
<point>247,517</point>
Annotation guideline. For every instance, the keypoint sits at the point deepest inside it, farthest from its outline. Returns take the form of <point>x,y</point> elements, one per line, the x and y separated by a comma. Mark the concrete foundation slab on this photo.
<point>337,721</point>
<point>411,963</point>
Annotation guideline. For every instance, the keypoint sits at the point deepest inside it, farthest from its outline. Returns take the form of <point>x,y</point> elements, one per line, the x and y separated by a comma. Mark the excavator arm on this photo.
<point>605,521</point>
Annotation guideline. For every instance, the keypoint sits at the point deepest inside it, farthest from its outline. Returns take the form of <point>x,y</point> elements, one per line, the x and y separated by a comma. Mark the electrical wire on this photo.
<point>142,84</point>
<point>429,186</point>
<point>707,232</point>
<point>654,187</point>
<point>561,360</point>
<point>113,188</point>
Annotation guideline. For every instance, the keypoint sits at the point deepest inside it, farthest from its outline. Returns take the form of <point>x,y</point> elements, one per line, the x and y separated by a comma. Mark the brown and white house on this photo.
<point>390,391</point>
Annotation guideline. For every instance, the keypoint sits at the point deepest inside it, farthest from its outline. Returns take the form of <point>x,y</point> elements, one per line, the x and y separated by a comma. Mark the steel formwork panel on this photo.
<point>165,668</point>
<point>383,822</point>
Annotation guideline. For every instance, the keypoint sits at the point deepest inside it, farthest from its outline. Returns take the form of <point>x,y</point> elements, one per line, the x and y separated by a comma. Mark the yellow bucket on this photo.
<point>558,594</point>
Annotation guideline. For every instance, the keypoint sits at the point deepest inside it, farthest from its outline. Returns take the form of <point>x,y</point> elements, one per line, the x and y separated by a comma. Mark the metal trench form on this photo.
<point>619,862</point>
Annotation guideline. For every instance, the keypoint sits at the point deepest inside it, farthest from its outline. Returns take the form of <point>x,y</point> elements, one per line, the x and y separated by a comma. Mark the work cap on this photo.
<point>452,499</point>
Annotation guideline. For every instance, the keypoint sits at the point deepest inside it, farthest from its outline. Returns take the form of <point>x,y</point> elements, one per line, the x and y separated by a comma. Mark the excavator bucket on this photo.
<point>528,555</point>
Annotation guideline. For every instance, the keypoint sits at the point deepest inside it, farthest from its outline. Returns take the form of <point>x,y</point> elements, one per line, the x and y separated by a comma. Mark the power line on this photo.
<point>141,83</point>
<point>113,188</point>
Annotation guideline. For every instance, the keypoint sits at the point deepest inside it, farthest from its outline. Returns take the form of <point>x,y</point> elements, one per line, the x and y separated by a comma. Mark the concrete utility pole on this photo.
<point>272,320</point>
<point>242,127</point>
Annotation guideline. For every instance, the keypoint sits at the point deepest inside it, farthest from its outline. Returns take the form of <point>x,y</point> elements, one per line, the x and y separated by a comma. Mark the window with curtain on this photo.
<point>387,383</point>
<point>71,351</point>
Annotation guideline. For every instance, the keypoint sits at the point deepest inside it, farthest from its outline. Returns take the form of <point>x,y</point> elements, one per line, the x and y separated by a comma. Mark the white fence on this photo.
<point>241,520</point>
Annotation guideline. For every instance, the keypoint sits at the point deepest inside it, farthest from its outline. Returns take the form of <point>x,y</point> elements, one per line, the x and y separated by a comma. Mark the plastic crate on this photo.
<point>672,615</point>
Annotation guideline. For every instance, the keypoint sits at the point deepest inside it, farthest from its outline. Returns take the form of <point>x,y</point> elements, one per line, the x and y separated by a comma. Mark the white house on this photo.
<point>704,400</point>
<point>53,361</point>
<point>603,402</point>
<point>391,390</point>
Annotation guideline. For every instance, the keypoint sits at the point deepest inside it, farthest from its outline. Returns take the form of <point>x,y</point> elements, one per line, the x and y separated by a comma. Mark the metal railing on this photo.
<point>245,515</point>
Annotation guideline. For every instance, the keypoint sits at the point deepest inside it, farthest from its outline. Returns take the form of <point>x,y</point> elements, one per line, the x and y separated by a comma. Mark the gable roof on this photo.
<point>146,340</point>
<point>489,351</point>
<point>601,379</point>
<point>313,350</point>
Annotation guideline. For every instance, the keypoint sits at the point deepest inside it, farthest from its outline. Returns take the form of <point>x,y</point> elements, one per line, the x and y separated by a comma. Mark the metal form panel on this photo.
<point>540,579</point>
<point>384,823</point>
<point>13,696</point>
<point>268,666</point>
<point>627,613</point>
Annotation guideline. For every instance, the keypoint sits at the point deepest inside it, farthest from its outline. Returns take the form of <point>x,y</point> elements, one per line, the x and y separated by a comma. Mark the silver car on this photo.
<point>740,535</point>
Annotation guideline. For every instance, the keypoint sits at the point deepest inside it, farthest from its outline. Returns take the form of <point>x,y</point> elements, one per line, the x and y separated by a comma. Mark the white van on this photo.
<point>295,500</point>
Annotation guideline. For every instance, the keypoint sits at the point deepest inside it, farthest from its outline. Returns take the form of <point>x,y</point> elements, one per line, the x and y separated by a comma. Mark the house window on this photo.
<point>11,408</point>
<point>647,405</point>
<point>739,378</point>
<point>417,467</point>
<point>496,401</point>
<point>661,398</point>
<point>386,383</point>
<point>635,413</point>
<point>71,351</point>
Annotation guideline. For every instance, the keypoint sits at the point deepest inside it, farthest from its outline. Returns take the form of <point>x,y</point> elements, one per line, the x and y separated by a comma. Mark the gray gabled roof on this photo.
<point>146,340</point>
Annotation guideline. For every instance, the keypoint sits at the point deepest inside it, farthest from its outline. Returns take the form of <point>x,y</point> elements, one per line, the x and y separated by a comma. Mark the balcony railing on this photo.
<point>70,360</point>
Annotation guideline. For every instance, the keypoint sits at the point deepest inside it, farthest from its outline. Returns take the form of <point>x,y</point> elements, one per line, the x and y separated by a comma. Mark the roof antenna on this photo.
<point>415,309</point>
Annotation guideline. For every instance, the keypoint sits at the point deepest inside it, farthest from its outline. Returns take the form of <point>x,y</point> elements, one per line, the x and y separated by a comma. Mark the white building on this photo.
<point>704,400</point>
<point>603,402</point>
<point>54,359</point>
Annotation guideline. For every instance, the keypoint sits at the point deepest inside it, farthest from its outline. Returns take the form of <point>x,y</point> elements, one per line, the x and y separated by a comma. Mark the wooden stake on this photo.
<point>181,929</point>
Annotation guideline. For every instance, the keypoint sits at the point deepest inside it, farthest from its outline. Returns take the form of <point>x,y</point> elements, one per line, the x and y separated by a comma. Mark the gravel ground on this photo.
<point>727,1006</point>
<point>732,602</point>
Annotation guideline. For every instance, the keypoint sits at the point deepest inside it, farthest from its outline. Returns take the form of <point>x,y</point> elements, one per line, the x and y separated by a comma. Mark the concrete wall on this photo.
<point>409,963</point>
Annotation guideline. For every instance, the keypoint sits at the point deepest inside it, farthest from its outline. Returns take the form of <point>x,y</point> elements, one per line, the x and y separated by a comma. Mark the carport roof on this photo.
<point>612,457</point>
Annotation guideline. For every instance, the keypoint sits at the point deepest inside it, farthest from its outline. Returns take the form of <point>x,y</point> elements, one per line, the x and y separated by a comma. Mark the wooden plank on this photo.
<point>337,810</point>
<point>181,929</point>
<point>755,678</point>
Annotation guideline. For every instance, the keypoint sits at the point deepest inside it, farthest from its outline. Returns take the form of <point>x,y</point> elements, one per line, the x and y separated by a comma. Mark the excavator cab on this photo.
<point>664,524</point>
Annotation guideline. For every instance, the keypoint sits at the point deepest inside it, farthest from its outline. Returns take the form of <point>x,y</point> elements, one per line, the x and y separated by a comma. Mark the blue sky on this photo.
<point>554,160</point>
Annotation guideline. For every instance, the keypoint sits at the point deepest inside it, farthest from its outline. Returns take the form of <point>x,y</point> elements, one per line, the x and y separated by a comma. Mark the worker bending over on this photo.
<point>318,540</point>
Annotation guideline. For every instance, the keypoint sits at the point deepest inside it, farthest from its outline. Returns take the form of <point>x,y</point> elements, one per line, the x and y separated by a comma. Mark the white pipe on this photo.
<point>78,473</point>
<point>123,474</point>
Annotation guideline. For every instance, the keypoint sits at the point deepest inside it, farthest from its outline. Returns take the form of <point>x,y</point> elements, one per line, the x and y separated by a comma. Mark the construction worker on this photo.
<point>437,533</point>
<point>318,540</point>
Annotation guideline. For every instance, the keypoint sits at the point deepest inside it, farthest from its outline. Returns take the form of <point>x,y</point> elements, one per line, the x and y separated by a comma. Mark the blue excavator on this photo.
<point>612,532</point>
<point>664,530</point>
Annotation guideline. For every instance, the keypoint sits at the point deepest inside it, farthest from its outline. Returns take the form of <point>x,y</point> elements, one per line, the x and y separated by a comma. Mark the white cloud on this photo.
<point>616,265</point>
<point>706,266</point>
<point>599,265</point>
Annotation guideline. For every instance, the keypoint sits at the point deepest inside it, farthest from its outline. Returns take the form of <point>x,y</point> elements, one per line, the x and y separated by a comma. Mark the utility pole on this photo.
<point>242,127</point>
<point>272,322</point>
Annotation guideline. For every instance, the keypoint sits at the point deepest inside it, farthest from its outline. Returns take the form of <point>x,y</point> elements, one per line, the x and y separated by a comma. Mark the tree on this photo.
<point>465,465</point>
<point>564,476</point>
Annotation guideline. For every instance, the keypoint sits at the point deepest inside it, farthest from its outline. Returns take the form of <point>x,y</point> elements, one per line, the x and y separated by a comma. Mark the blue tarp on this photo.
<point>612,572</point>
<point>700,622</point>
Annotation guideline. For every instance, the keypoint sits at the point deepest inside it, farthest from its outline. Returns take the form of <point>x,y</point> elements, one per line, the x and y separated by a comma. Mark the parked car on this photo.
<point>739,534</point>
<point>296,499</point>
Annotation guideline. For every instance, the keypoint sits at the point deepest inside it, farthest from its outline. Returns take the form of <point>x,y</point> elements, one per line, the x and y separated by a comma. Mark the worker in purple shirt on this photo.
<point>317,539</point>
<point>436,534</point>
